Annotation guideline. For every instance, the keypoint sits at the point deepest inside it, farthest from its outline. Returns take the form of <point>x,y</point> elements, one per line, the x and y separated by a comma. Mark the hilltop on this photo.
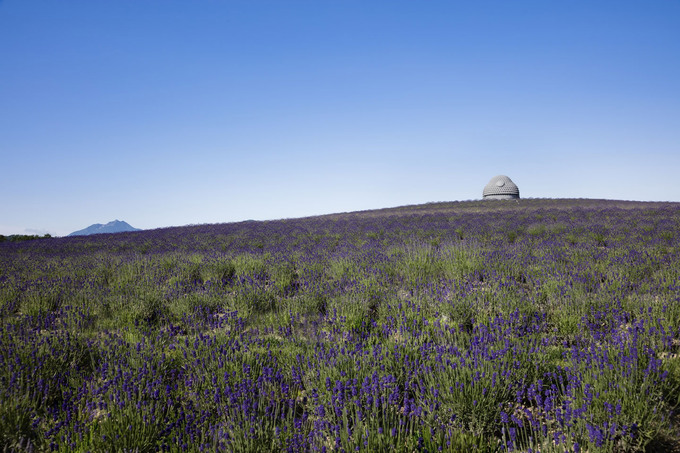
<point>480,326</point>
<point>115,226</point>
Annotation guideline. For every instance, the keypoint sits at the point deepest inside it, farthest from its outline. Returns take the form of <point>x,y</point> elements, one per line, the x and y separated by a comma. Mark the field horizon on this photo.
<point>547,325</point>
<point>479,205</point>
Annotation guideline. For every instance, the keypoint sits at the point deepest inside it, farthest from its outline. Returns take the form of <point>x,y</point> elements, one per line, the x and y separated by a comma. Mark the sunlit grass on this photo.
<point>545,325</point>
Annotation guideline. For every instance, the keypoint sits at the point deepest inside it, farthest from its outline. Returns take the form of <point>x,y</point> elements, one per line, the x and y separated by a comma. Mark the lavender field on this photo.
<point>538,325</point>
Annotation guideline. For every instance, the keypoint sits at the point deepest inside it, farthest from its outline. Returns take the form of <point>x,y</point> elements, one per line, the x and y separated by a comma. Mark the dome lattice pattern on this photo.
<point>501,187</point>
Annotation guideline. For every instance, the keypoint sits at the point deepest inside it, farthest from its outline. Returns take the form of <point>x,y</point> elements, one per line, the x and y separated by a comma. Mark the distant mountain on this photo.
<point>116,226</point>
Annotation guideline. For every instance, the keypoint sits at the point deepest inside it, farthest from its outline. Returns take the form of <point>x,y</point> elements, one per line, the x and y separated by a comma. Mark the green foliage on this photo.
<point>40,302</point>
<point>128,428</point>
<point>150,310</point>
<point>536,230</point>
<point>512,236</point>
<point>421,263</point>
<point>23,237</point>
<point>128,346</point>
<point>17,430</point>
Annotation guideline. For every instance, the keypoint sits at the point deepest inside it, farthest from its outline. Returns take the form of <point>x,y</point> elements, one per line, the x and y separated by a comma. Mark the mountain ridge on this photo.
<point>114,226</point>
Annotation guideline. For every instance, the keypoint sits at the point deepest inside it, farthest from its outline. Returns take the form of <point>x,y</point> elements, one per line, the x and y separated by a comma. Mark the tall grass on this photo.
<point>544,326</point>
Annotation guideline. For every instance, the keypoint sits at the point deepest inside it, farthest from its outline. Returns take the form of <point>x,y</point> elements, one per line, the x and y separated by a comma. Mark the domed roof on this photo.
<point>501,187</point>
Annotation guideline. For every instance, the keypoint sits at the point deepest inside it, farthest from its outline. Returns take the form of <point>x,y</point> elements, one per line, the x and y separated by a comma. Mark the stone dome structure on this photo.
<point>500,188</point>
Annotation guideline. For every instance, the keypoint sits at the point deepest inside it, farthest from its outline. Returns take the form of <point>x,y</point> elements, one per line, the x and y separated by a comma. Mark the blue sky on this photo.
<point>165,113</point>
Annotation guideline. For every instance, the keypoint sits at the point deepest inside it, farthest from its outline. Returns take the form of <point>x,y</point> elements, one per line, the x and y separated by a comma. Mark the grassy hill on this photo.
<point>551,325</point>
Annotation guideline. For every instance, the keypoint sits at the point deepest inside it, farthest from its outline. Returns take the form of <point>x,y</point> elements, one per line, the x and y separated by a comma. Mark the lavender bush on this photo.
<point>543,325</point>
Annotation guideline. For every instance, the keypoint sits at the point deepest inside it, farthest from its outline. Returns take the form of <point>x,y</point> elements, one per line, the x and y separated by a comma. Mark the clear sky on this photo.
<point>169,112</point>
